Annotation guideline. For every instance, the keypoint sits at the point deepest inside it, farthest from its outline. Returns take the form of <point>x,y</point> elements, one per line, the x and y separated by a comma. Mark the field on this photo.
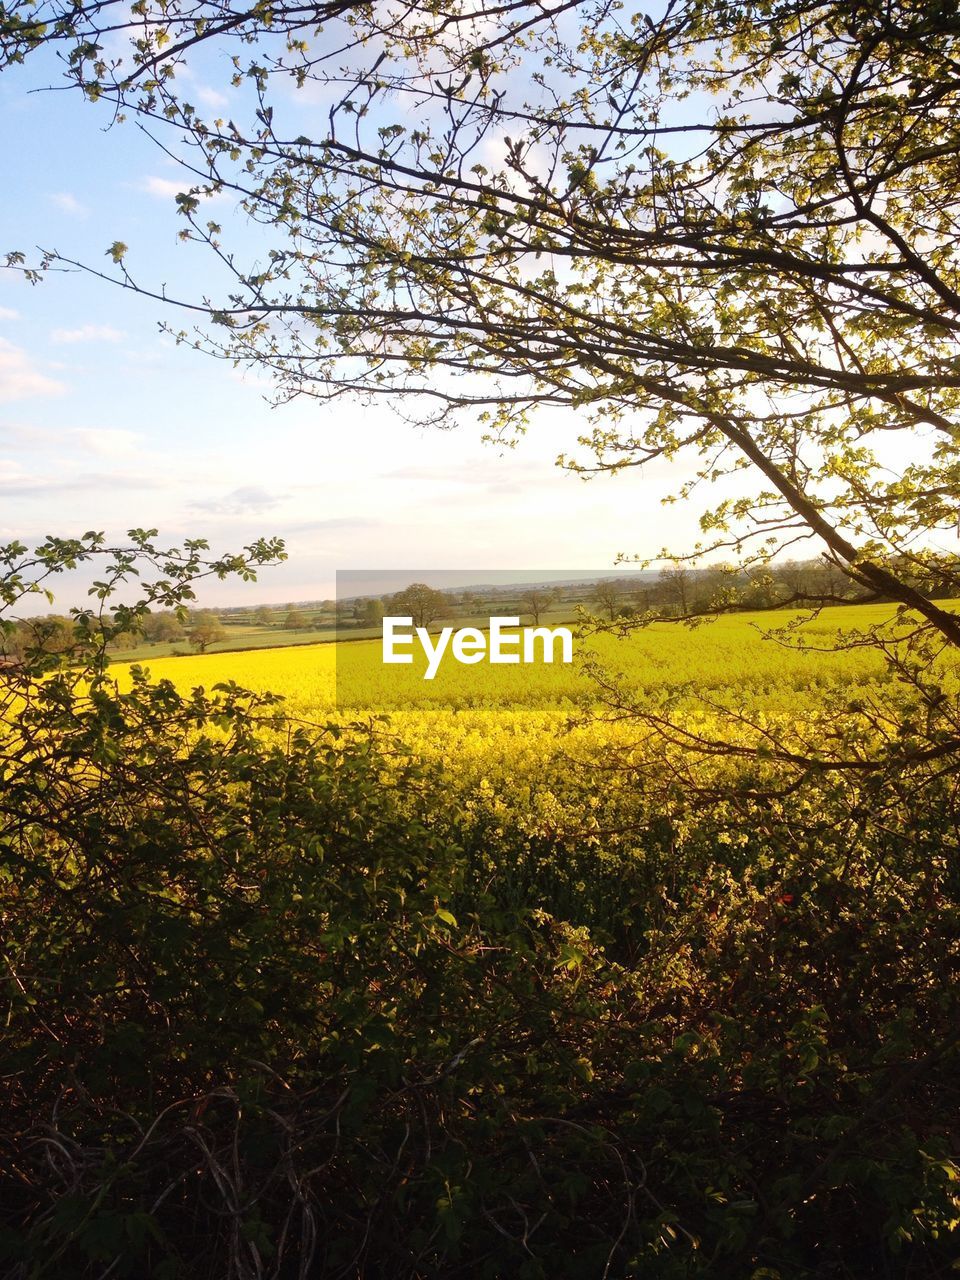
<point>518,748</point>
<point>239,637</point>
<point>732,653</point>
<point>585,971</point>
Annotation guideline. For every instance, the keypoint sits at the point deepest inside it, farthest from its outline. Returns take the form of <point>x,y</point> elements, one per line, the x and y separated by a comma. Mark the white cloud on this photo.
<point>88,333</point>
<point>251,378</point>
<point>19,378</point>
<point>210,98</point>
<point>168,188</point>
<point>68,203</point>
<point>8,313</point>
<point>249,498</point>
<point>111,442</point>
<point>163,187</point>
<point>16,482</point>
<point>107,442</point>
<point>203,92</point>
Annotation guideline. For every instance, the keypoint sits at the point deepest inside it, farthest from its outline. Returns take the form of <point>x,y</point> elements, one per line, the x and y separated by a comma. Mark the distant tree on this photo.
<point>717,586</point>
<point>294,621</point>
<point>607,596</point>
<point>12,643</point>
<point>675,581</point>
<point>832,582</point>
<point>263,616</point>
<point>794,577</point>
<point>418,601</point>
<point>162,627</point>
<point>52,633</point>
<point>536,601</point>
<point>205,630</point>
<point>124,640</point>
<point>764,588</point>
<point>371,613</point>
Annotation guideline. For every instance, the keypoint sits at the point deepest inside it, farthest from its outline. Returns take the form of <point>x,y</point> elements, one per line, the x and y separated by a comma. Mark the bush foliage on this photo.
<point>274,1007</point>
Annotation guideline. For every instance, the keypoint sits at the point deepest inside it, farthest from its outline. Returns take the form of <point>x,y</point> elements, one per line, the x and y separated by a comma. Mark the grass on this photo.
<point>238,639</point>
<point>244,635</point>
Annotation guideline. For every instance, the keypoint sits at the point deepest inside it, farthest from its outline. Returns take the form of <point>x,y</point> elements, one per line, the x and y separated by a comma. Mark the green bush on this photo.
<point>268,1011</point>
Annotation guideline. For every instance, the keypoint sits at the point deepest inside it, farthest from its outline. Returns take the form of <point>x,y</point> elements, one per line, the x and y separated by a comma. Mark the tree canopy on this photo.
<point>722,230</point>
<point>422,603</point>
<point>206,629</point>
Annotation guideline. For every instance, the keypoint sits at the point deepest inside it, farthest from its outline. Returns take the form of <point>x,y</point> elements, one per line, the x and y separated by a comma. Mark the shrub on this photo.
<point>272,1010</point>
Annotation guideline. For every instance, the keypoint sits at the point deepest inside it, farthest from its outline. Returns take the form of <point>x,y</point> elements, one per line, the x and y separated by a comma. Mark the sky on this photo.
<point>106,424</point>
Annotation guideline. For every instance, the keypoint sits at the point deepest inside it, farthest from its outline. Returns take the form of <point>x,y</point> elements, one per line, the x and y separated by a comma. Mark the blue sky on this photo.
<point>106,424</point>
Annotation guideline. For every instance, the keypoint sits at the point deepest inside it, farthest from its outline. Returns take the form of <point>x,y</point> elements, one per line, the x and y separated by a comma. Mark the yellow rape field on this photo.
<point>515,744</point>
<point>733,653</point>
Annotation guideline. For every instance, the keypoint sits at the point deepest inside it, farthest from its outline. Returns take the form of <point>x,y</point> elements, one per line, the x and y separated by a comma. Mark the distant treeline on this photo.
<point>197,629</point>
<point>677,590</point>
